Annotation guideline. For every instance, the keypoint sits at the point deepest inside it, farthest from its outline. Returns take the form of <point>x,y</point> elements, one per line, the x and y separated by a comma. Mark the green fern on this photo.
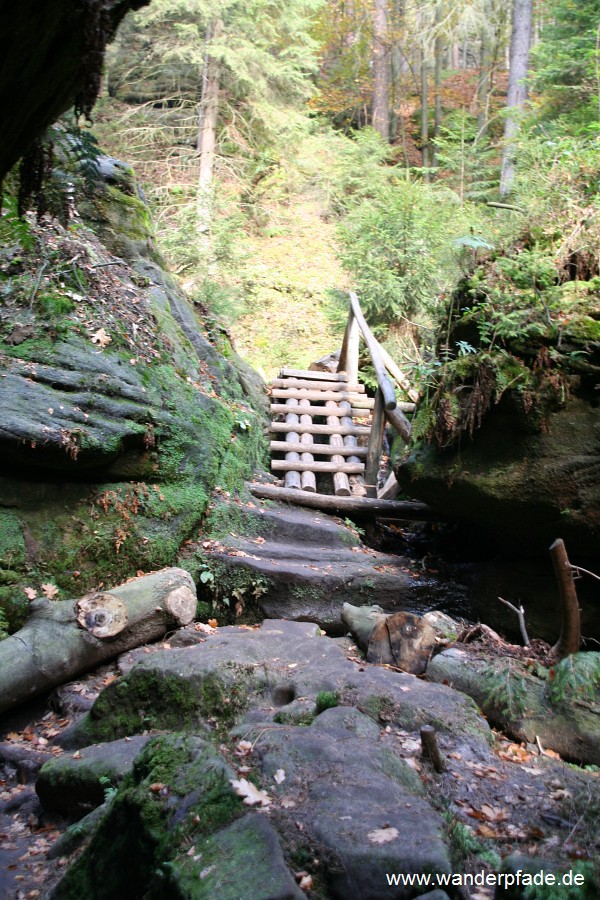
<point>575,677</point>
<point>504,690</point>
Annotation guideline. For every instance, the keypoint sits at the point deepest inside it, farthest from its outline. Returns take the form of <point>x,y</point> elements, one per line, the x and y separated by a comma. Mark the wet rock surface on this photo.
<point>280,752</point>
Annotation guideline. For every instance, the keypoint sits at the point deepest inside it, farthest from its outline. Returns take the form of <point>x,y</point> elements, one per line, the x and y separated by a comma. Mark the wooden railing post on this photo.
<point>349,353</point>
<point>375,445</point>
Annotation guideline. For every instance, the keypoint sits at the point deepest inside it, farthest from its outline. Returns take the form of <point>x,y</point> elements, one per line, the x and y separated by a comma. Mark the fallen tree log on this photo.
<point>62,639</point>
<point>360,506</point>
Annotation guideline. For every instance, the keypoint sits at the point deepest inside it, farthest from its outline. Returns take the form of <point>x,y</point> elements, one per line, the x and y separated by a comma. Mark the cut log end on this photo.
<point>103,615</point>
<point>181,605</point>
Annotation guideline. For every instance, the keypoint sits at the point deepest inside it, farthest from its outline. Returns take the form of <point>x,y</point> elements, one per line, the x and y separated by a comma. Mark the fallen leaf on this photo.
<point>279,776</point>
<point>249,792</point>
<point>243,748</point>
<point>101,337</point>
<point>31,593</point>
<point>306,883</point>
<point>383,835</point>
<point>50,590</point>
<point>288,804</point>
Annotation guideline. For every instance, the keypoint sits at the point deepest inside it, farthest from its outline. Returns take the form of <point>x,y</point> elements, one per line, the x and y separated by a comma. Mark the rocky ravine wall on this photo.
<point>119,414</point>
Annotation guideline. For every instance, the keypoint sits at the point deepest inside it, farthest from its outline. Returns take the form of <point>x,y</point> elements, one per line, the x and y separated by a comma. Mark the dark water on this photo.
<point>465,581</point>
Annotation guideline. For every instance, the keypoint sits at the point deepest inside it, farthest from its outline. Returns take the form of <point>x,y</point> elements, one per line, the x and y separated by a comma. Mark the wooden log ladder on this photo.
<point>319,419</point>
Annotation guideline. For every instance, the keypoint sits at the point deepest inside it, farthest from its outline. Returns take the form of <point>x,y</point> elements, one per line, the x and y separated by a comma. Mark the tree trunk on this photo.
<point>438,53</point>
<point>62,639</point>
<point>570,630</point>
<point>381,114</point>
<point>424,111</point>
<point>483,85</point>
<point>517,89</point>
<point>207,135</point>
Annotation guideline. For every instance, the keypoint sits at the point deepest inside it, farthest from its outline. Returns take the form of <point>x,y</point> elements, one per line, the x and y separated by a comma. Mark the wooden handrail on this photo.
<point>385,385</point>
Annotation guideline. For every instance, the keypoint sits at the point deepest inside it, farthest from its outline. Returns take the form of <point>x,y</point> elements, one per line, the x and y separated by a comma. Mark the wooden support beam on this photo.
<point>283,465</point>
<point>360,506</point>
<point>398,375</point>
<point>375,444</point>
<point>349,440</point>
<point>385,385</point>
<point>308,384</point>
<point>321,429</point>
<point>341,485</point>
<point>350,349</point>
<point>292,477</point>
<point>399,423</point>
<point>319,449</point>
<point>307,479</point>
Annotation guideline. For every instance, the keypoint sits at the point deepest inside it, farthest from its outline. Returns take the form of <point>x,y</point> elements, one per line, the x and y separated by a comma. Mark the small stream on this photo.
<point>466,583</point>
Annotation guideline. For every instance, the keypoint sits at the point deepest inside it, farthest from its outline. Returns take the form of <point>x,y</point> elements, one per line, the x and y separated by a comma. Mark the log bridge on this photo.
<point>323,422</point>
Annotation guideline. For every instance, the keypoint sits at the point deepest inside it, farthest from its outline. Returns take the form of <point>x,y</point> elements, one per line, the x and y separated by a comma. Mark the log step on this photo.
<point>322,385</point>
<point>284,465</point>
<point>365,506</point>
<point>314,410</point>
<point>308,373</point>
<point>319,395</point>
<point>321,429</point>
<point>317,449</point>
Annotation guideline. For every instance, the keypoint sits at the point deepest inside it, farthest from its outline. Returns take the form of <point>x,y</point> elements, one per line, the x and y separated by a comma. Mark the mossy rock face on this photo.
<point>247,852</point>
<point>178,791</point>
<point>509,435</point>
<point>119,417</point>
<point>525,487</point>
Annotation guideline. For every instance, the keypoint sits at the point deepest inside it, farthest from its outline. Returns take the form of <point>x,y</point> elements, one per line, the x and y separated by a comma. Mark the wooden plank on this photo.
<point>308,373</point>
<point>409,510</point>
<point>306,384</point>
<point>341,485</point>
<point>307,479</point>
<point>304,394</point>
<point>320,429</point>
<point>340,409</point>
<point>319,449</point>
<point>282,465</point>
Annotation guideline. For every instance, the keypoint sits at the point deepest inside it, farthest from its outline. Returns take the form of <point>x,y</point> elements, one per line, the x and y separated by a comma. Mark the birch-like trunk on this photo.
<point>207,138</point>
<point>380,119</point>
<point>520,43</point>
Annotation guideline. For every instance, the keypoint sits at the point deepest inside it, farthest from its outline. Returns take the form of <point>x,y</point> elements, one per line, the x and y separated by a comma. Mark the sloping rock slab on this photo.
<point>358,803</point>
<point>75,784</point>
<point>309,564</point>
<point>268,669</point>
